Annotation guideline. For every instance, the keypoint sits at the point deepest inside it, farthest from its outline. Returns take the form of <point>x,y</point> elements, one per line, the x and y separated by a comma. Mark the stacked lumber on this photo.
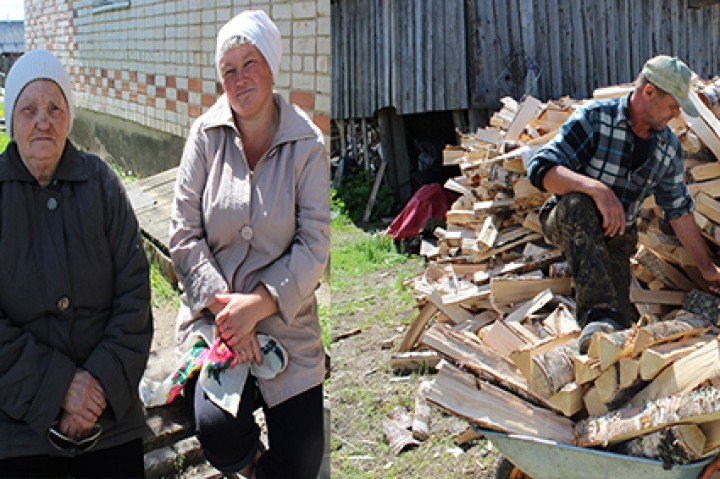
<point>497,320</point>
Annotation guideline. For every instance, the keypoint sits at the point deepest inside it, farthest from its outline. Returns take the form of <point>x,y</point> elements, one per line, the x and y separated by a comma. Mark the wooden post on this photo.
<point>392,138</point>
<point>365,144</point>
<point>353,139</point>
<point>343,151</point>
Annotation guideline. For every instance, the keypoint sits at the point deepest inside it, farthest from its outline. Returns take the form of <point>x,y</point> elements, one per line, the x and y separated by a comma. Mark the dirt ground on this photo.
<point>363,388</point>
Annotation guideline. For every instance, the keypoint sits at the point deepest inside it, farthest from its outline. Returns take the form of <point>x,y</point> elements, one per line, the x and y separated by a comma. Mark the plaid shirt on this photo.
<point>597,141</point>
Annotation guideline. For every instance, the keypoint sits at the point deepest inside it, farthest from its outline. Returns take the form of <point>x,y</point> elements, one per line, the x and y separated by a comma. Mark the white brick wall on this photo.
<point>153,63</point>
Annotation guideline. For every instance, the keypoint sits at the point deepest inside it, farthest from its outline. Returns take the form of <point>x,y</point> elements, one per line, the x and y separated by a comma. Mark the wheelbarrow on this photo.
<point>545,459</point>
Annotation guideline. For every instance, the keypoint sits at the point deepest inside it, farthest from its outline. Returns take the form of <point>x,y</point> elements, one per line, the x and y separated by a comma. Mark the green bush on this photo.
<point>354,192</point>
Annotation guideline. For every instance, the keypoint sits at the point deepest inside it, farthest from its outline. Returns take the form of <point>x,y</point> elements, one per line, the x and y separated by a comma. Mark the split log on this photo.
<point>417,327</point>
<point>552,370</point>
<point>494,408</point>
<point>530,307</point>
<point>696,407</point>
<point>481,359</point>
<point>711,430</point>
<point>672,298</point>
<point>414,361</point>
<point>703,304</point>
<point>512,290</point>
<point>609,347</point>
<point>421,418</point>
<point>607,384</point>
<point>569,400</point>
<point>561,322</point>
<point>679,444</point>
<point>586,368</point>
<point>629,369</point>
<point>662,270</point>
<point>683,375</point>
<point>684,325</point>
<point>708,206</point>
<point>515,267</point>
<point>504,339</point>
<point>523,357</point>
<point>655,358</point>
<point>593,404</point>
<point>469,434</point>
<point>508,246</point>
<point>396,426</point>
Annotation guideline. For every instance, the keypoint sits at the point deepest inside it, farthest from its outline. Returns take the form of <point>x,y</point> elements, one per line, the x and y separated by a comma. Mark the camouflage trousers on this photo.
<point>599,265</point>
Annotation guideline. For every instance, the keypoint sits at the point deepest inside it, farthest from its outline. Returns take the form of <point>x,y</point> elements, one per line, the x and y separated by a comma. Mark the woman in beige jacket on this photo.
<point>250,238</point>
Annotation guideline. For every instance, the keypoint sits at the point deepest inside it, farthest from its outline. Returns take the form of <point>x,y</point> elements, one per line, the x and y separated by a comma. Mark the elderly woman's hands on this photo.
<point>83,404</point>
<point>237,314</point>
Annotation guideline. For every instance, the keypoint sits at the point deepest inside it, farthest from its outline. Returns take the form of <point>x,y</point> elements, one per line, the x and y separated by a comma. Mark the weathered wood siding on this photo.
<point>403,53</point>
<point>430,55</point>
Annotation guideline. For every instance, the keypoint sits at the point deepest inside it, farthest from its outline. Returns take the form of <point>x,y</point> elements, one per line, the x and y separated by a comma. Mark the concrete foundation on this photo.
<point>137,149</point>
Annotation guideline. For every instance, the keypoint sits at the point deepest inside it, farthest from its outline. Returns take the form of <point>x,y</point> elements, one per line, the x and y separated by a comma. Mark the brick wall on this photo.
<point>152,62</point>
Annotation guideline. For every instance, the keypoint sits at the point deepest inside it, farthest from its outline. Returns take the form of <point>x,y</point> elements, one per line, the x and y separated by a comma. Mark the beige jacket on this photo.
<point>232,228</point>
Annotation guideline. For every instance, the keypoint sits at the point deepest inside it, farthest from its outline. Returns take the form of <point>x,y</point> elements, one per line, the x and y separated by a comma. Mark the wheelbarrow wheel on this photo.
<point>507,470</point>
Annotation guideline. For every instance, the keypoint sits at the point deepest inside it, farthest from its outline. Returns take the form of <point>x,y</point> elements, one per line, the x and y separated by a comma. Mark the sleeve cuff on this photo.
<point>201,286</point>
<point>279,282</point>
<point>47,403</point>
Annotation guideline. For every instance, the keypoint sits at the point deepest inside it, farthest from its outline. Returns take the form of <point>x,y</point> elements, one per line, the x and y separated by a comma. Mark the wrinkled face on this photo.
<point>662,107</point>
<point>247,80</point>
<point>41,123</point>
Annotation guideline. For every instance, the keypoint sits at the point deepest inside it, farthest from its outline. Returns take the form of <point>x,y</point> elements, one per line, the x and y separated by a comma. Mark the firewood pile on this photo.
<point>496,314</point>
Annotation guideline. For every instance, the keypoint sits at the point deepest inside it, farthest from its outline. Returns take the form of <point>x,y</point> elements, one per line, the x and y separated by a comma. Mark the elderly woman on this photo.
<point>249,242</point>
<point>75,324</point>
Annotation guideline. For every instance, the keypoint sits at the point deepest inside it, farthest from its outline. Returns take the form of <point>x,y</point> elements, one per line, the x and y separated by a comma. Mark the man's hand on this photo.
<point>561,180</point>
<point>688,233</point>
<point>610,208</point>
<point>83,404</point>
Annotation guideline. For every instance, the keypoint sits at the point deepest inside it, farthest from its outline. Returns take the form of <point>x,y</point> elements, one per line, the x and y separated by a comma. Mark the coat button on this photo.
<point>246,232</point>
<point>52,204</point>
<point>63,303</point>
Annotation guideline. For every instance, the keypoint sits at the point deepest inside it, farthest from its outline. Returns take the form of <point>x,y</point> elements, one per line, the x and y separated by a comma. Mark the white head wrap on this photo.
<point>257,27</point>
<point>35,65</point>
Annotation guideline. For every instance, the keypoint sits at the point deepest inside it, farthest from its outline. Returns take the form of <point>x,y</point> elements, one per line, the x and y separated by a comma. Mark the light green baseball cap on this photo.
<point>670,74</point>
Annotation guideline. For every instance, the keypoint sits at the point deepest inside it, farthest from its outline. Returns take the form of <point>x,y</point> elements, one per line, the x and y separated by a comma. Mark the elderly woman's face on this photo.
<point>41,122</point>
<point>247,80</point>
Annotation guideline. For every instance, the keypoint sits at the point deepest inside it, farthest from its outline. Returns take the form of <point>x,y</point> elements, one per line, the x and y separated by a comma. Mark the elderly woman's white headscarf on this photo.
<point>259,30</point>
<point>35,65</point>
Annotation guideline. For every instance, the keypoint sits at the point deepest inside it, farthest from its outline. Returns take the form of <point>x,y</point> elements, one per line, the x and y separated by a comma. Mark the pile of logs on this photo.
<point>496,314</point>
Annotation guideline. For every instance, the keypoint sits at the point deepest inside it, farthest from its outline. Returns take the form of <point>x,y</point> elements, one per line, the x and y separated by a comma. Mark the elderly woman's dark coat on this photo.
<point>74,293</point>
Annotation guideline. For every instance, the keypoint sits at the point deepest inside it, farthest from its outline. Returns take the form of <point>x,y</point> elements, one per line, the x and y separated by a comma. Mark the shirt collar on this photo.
<point>70,167</point>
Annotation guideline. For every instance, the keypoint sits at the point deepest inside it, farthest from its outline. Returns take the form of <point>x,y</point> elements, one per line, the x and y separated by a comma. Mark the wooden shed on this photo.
<point>396,59</point>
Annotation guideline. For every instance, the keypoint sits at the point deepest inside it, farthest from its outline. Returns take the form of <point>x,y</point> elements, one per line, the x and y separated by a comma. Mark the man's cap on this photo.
<point>670,74</point>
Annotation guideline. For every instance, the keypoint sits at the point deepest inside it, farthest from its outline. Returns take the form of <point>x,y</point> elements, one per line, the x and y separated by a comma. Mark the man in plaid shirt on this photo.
<point>605,160</point>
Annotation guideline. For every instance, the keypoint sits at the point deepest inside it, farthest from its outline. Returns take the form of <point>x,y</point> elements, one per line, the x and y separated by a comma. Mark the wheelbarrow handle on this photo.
<point>711,468</point>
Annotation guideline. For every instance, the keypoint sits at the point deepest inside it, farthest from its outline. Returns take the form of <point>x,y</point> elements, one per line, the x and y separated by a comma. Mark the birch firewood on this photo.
<point>684,325</point>
<point>695,407</point>
<point>655,358</point>
<point>672,445</point>
<point>552,370</point>
<point>610,347</point>
<point>421,418</point>
<point>489,406</point>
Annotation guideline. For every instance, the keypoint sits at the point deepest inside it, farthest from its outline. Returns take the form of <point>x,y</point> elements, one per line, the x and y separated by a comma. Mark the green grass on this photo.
<point>164,293</point>
<point>4,138</point>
